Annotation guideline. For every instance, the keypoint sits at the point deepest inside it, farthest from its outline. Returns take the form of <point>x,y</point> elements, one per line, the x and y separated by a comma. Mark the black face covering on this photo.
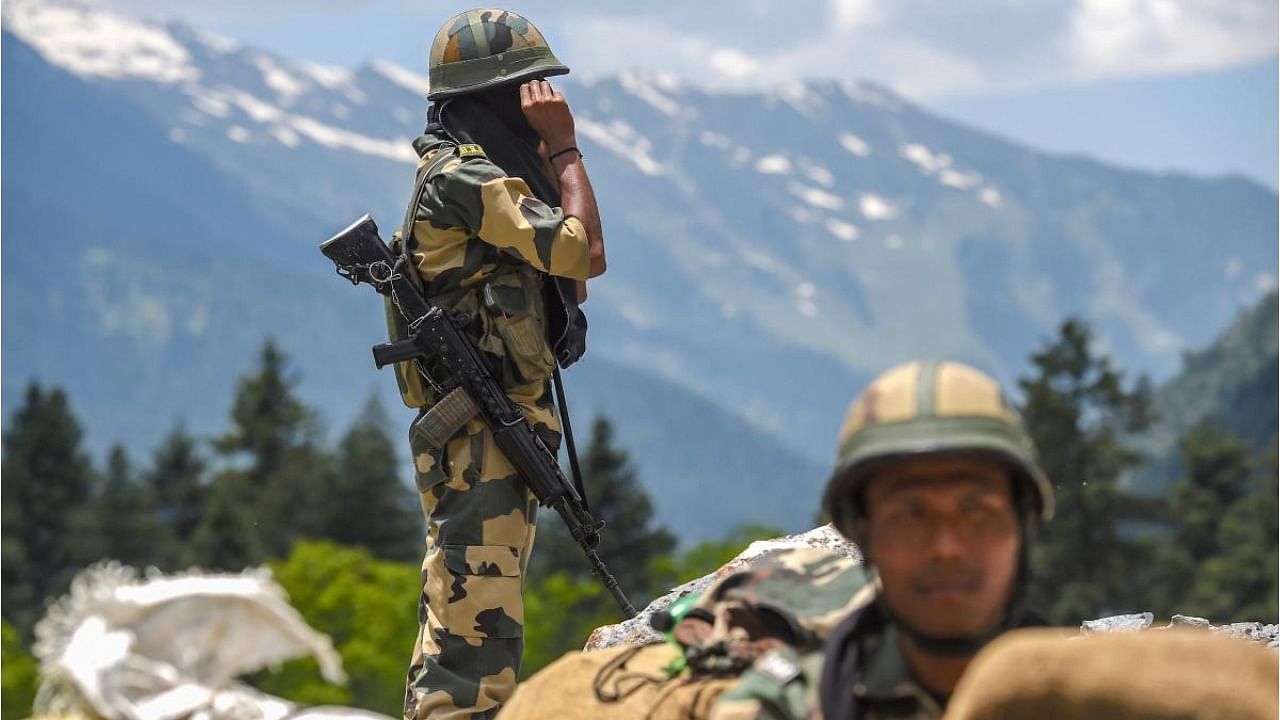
<point>493,120</point>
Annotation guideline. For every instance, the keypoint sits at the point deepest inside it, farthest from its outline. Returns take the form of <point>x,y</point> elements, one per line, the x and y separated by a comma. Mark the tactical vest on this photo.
<point>507,310</point>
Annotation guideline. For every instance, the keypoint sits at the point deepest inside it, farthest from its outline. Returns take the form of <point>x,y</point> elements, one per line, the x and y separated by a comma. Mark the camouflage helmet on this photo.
<point>482,48</point>
<point>931,408</point>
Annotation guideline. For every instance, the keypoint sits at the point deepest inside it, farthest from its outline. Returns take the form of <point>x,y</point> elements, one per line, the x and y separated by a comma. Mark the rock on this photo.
<point>637,630</point>
<point>1252,631</point>
<point>1117,623</point>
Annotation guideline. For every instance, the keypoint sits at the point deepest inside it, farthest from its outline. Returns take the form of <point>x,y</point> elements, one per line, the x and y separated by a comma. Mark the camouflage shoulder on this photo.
<point>816,586</point>
<point>782,684</point>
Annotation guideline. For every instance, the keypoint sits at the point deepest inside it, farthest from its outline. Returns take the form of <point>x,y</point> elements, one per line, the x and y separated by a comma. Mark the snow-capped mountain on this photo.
<point>769,251</point>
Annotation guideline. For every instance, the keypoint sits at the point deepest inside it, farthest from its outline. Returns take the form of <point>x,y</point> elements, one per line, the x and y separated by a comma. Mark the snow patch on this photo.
<point>648,91</point>
<point>411,81</point>
<point>819,174</point>
<point>807,308</point>
<point>801,215</point>
<point>815,197</point>
<point>622,140</point>
<point>715,140</point>
<point>858,92</point>
<point>211,105</point>
<point>178,135</point>
<point>238,134</point>
<point>278,79</point>
<point>957,179</point>
<point>806,290</point>
<point>217,43</point>
<point>774,165</point>
<point>741,156</point>
<point>335,78</point>
<point>398,150</point>
<point>854,144</point>
<point>990,196</point>
<point>760,260</point>
<point>639,318</point>
<point>287,137</point>
<point>928,161</point>
<point>257,110</point>
<point>92,43</point>
<point>874,207</point>
<point>801,97</point>
<point>329,76</point>
<point>843,230</point>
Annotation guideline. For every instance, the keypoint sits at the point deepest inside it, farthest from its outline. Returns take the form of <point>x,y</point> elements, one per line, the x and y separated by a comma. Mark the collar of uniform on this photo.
<point>886,675</point>
<point>426,143</point>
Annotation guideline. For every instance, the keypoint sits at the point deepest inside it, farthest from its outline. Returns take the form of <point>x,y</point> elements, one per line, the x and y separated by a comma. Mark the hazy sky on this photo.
<point>1177,84</point>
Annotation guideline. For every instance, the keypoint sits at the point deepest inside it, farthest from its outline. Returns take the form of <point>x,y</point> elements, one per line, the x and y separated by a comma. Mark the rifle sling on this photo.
<point>563,407</point>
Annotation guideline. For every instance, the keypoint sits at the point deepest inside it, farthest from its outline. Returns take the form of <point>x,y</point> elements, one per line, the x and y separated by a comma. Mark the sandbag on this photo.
<point>1153,675</point>
<point>622,683</point>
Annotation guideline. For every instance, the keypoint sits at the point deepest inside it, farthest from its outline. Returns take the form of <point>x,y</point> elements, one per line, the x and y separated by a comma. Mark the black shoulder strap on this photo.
<point>445,152</point>
<point>840,665</point>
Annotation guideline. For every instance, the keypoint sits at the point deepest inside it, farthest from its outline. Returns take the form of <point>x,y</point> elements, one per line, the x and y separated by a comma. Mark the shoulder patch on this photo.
<point>469,150</point>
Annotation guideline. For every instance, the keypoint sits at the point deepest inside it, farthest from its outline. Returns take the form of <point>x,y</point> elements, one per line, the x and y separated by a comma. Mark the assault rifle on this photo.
<point>451,364</point>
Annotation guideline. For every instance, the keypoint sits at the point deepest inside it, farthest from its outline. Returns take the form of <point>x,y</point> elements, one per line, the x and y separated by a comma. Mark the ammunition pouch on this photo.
<point>514,307</point>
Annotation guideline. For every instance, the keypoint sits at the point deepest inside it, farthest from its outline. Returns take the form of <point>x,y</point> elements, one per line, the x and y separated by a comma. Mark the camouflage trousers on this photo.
<point>480,530</point>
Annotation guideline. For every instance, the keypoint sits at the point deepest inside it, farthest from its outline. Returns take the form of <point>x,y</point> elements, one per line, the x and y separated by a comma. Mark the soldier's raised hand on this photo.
<point>548,114</point>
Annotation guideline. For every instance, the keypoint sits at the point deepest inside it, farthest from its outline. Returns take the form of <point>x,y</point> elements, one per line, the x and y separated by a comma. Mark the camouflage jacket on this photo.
<point>481,243</point>
<point>473,221</point>
<point>785,683</point>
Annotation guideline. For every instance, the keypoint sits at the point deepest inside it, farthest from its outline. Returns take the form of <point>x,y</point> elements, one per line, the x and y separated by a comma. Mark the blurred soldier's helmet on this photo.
<point>931,408</point>
<point>484,48</point>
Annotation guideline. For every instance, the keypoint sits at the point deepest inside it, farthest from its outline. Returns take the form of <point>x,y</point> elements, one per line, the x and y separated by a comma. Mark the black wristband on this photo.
<point>558,153</point>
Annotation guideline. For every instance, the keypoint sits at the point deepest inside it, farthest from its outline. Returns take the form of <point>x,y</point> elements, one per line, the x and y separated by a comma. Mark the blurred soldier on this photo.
<point>503,227</point>
<point>936,480</point>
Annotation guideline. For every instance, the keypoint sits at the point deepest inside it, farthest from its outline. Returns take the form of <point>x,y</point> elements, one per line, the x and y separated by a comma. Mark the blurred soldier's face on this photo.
<point>943,533</point>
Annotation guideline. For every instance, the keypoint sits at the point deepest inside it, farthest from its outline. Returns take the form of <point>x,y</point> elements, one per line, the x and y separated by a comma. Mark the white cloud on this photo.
<point>923,48</point>
<point>1132,37</point>
<point>734,65</point>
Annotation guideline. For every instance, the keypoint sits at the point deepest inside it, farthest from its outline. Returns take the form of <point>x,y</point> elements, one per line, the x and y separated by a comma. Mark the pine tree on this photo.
<point>369,504</point>
<point>1220,561</point>
<point>47,480</point>
<point>124,523</point>
<point>227,536</point>
<point>1077,409</point>
<point>630,542</point>
<point>282,484</point>
<point>174,481</point>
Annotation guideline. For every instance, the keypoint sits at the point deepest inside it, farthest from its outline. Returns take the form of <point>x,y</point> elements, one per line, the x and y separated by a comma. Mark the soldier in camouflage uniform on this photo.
<point>502,222</point>
<point>936,480</point>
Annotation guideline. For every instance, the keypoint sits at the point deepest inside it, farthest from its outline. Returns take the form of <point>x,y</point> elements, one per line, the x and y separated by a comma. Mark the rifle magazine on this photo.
<point>446,417</point>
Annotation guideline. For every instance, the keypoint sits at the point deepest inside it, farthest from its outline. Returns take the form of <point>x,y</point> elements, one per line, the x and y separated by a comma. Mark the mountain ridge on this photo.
<point>769,252</point>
